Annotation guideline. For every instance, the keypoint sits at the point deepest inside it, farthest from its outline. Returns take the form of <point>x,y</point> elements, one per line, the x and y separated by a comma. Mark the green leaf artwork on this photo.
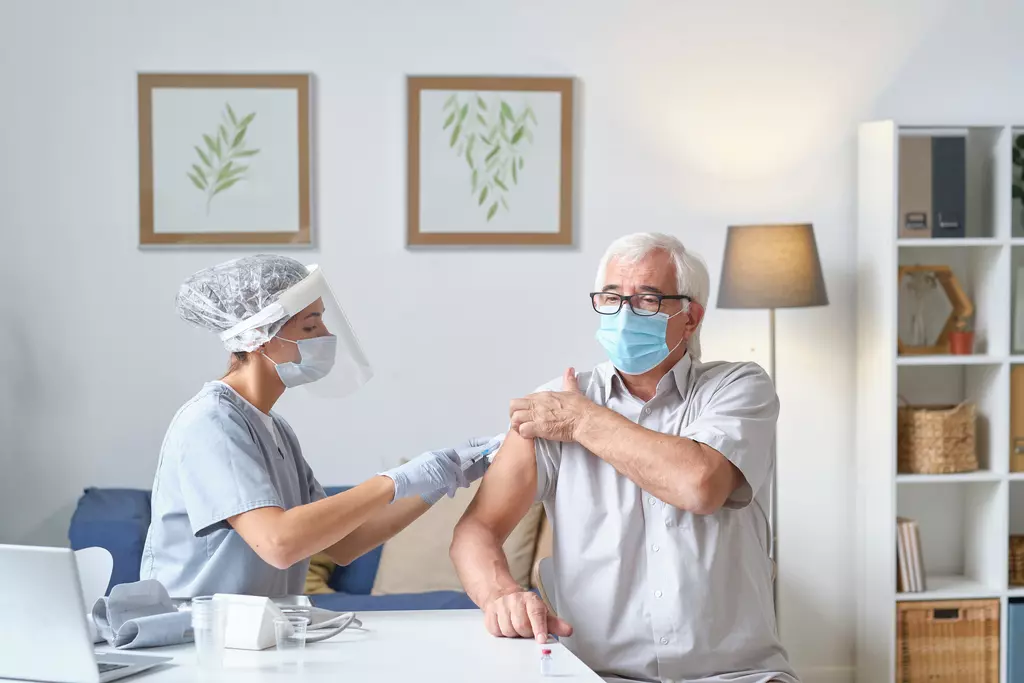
<point>220,169</point>
<point>493,137</point>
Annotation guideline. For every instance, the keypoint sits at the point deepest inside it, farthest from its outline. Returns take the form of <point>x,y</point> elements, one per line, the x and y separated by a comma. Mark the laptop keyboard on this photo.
<point>105,668</point>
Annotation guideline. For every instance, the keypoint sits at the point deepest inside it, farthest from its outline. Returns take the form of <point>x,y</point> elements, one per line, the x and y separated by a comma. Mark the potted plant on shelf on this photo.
<point>961,339</point>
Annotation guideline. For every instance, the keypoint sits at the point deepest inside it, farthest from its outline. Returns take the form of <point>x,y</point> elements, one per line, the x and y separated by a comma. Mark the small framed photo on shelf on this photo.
<point>490,161</point>
<point>224,159</point>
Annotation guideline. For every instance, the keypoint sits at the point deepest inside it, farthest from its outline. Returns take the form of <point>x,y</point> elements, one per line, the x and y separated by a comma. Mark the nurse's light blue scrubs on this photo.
<point>221,457</point>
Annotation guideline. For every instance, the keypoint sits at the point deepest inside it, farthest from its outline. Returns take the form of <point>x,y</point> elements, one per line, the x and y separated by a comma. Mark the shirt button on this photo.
<point>647,411</point>
<point>655,548</point>
<point>651,501</point>
<point>664,641</point>
<point>657,594</point>
<point>668,522</point>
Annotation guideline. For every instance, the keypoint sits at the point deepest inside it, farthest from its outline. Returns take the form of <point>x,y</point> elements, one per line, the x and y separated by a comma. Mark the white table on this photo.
<point>449,646</point>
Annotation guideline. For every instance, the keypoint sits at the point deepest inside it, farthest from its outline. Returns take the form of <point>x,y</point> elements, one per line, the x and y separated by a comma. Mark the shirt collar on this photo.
<point>677,377</point>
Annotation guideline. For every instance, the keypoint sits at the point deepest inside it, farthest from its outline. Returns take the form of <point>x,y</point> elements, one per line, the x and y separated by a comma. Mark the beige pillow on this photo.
<point>416,560</point>
<point>321,566</point>
<point>545,547</point>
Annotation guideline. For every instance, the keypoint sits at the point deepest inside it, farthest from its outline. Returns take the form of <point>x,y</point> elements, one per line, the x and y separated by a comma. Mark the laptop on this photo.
<point>44,635</point>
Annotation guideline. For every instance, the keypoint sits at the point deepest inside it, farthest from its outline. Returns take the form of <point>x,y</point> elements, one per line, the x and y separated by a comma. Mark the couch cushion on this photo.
<point>321,566</point>
<point>545,547</point>
<point>357,577</point>
<point>115,519</point>
<point>346,602</point>
<point>416,560</point>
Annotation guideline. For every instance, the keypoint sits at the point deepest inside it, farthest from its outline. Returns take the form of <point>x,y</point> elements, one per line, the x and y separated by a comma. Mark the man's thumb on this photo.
<point>569,382</point>
<point>559,627</point>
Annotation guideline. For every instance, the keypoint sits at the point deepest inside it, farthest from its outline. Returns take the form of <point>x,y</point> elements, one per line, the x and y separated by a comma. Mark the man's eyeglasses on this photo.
<point>610,303</point>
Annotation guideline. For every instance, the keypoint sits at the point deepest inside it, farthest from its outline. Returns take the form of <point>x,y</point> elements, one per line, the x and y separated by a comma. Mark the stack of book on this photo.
<point>909,563</point>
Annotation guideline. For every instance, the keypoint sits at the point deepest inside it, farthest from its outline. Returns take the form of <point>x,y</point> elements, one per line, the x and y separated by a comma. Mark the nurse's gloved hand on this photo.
<point>476,455</point>
<point>434,472</point>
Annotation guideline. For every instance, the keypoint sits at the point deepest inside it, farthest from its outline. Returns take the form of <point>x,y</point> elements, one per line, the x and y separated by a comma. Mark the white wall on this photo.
<point>693,116</point>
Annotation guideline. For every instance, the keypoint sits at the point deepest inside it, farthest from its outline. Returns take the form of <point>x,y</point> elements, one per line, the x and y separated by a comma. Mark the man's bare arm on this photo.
<point>505,495</point>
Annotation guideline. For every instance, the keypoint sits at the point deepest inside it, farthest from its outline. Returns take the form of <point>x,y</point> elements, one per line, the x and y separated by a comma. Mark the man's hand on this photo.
<point>523,615</point>
<point>552,415</point>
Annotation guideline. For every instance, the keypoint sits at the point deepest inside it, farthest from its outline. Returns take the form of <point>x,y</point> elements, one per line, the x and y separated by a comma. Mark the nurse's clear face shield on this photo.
<point>351,368</point>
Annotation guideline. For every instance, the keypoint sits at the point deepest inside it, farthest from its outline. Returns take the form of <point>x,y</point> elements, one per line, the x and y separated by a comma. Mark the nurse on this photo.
<point>236,508</point>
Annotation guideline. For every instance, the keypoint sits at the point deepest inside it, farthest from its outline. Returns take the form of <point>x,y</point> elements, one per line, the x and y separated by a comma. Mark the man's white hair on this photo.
<point>692,277</point>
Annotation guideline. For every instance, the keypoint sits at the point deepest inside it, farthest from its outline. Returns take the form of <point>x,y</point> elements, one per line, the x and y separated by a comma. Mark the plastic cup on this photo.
<point>290,634</point>
<point>208,630</point>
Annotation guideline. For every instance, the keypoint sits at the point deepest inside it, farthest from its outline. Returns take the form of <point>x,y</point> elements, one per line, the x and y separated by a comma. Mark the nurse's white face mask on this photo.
<point>316,358</point>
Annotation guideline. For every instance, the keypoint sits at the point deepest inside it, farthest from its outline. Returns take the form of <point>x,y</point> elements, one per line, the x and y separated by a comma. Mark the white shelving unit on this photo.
<point>965,519</point>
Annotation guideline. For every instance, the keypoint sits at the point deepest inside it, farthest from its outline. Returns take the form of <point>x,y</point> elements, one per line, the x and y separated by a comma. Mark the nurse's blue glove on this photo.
<point>476,455</point>
<point>434,471</point>
<point>438,473</point>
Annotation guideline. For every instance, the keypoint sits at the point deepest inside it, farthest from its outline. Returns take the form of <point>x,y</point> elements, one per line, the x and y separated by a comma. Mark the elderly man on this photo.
<point>649,467</point>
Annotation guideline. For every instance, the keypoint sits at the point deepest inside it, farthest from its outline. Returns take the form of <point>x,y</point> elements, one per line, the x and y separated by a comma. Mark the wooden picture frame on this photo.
<point>271,177</point>
<point>958,299</point>
<point>468,192</point>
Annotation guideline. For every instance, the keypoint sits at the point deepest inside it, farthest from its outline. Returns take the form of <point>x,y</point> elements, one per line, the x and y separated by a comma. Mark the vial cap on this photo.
<point>545,652</point>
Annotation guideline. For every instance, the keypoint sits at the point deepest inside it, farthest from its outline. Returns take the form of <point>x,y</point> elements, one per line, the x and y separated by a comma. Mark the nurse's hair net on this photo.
<point>220,297</point>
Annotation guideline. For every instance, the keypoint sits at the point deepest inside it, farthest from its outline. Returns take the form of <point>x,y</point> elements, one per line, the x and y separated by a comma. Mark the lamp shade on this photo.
<point>771,266</point>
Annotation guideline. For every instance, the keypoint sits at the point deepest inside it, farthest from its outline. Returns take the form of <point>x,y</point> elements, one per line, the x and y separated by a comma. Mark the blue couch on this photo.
<point>118,519</point>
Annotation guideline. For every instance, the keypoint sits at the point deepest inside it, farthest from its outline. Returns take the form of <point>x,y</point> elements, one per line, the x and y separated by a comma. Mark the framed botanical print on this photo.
<point>490,161</point>
<point>224,159</point>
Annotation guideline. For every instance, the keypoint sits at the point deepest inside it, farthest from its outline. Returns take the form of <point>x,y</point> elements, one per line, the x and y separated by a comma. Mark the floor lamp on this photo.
<point>769,267</point>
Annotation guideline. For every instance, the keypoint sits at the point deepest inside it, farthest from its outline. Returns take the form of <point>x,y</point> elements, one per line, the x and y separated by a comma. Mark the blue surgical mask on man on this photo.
<point>316,358</point>
<point>635,344</point>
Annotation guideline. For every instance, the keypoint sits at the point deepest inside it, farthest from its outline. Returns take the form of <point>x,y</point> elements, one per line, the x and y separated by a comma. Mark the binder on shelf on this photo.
<point>949,186</point>
<point>916,556</point>
<point>915,186</point>
<point>902,573</point>
<point>1015,642</point>
<point>1017,419</point>
<point>909,560</point>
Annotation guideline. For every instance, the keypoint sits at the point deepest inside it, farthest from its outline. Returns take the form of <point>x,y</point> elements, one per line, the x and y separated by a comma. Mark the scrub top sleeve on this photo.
<point>316,491</point>
<point>739,422</point>
<point>223,472</point>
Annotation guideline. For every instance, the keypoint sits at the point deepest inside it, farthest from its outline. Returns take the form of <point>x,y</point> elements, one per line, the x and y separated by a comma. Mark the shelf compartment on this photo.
<point>982,273</point>
<point>987,386</point>
<point>962,532</point>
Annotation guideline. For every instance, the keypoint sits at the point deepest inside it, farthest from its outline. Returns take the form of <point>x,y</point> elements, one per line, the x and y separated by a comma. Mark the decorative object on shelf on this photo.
<point>936,439</point>
<point>1018,183</point>
<point>1016,560</point>
<point>951,640</point>
<point>919,277</point>
<point>1017,418</point>
<point>224,159</point>
<point>771,266</point>
<point>910,573</point>
<point>961,339</point>
<point>490,161</point>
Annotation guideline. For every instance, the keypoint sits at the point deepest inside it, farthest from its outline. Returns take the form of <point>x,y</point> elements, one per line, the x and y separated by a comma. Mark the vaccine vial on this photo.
<point>546,664</point>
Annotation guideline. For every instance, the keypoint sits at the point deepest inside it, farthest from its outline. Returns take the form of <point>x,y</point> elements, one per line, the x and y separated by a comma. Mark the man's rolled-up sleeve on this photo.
<point>739,422</point>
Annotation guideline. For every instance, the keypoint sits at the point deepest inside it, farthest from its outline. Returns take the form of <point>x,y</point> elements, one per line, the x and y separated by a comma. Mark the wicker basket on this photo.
<point>1017,560</point>
<point>953,641</point>
<point>936,439</point>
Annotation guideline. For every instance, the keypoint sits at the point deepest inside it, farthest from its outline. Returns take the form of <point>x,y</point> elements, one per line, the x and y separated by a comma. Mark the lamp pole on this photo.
<point>772,507</point>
